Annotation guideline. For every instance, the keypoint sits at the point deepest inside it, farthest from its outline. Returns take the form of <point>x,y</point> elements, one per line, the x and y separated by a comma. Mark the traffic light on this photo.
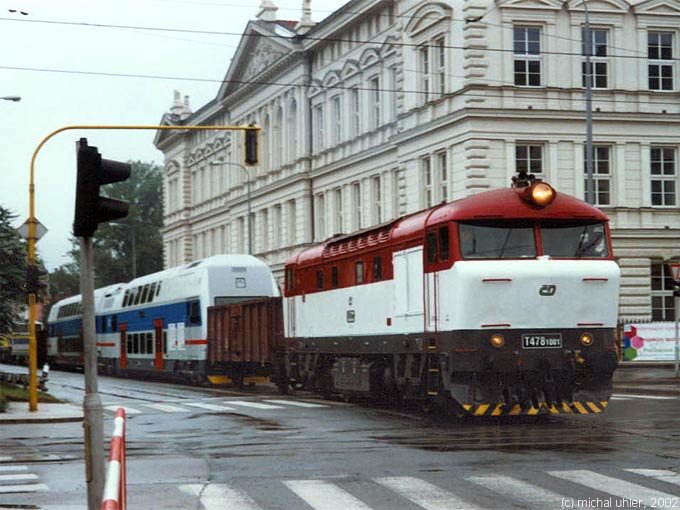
<point>251,145</point>
<point>93,171</point>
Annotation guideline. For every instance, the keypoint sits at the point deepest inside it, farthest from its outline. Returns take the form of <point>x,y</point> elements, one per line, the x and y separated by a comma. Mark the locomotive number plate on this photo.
<point>542,341</point>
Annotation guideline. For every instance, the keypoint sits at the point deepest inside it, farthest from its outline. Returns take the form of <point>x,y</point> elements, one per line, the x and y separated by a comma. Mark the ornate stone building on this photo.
<point>389,106</point>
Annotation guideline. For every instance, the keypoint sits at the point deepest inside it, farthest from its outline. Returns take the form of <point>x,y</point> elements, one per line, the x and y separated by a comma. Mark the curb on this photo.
<point>670,365</point>
<point>19,421</point>
<point>646,391</point>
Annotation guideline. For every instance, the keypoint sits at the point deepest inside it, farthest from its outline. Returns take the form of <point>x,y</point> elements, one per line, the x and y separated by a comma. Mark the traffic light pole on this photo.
<point>32,344</point>
<point>93,422</point>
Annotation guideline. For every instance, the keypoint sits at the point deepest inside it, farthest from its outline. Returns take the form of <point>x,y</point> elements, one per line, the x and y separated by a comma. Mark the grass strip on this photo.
<point>12,393</point>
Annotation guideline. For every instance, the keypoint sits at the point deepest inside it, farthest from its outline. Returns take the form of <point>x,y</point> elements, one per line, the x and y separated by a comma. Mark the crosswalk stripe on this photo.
<point>664,475</point>
<point>209,407</point>
<point>613,486</point>
<point>254,405</point>
<point>218,496</point>
<point>12,467</point>
<point>168,408</point>
<point>323,495</point>
<point>33,487</point>
<point>128,410</point>
<point>653,397</point>
<point>518,489</point>
<point>13,478</point>
<point>429,496</point>
<point>295,403</point>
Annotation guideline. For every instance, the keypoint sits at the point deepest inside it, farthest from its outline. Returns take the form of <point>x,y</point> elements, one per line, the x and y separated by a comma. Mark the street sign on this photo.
<point>675,271</point>
<point>40,229</point>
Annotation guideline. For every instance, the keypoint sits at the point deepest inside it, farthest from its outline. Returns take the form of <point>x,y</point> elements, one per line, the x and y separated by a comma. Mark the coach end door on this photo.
<point>158,337</point>
<point>123,345</point>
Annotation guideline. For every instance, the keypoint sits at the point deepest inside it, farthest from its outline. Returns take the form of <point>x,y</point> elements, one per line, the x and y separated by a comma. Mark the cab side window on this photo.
<point>437,245</point>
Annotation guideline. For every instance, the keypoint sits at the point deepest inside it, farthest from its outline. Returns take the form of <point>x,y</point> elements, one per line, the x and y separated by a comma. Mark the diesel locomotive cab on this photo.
<point>538,327</point>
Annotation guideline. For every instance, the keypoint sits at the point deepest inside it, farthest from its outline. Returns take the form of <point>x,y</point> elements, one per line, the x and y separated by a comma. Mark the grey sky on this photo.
<point>51,100</point>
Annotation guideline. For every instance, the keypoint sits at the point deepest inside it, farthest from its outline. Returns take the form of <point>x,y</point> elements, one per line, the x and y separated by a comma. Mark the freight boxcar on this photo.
<point>245,340</point>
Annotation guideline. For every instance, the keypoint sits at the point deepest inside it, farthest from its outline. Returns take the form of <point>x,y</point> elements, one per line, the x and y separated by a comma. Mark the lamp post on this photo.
<point>250,221</point>
<point>590,197</point>
<point>14,99</point>
<point>134,250</point>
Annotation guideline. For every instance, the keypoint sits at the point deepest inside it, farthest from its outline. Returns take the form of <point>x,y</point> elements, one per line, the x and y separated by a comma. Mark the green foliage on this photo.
<point>12,270</point>
<point>113,242</point>
<point>14,393</point>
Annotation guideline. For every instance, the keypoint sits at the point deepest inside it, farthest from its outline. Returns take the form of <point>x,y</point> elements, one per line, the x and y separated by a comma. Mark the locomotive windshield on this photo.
<point>560,240</point>
<point>496,242</point>
<point>574,241</point>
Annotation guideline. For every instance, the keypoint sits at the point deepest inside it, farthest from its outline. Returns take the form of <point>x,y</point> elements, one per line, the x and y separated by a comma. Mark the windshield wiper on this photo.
<point>505,243</point>
<point>581,248</point>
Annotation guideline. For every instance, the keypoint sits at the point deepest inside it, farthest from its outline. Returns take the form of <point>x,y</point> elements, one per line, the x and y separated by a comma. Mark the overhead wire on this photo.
<point>308,85</point>
<point>306,36</point>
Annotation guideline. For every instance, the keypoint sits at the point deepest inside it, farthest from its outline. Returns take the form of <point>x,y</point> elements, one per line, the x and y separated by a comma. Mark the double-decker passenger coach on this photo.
<point>501,303</point>
<point>157,324</point>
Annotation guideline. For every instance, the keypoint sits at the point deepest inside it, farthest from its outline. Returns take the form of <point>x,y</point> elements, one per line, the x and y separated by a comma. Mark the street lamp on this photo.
<point>590,197</point>
<point>221,162</point>
<point>134,250</point>
<point>14,99</point>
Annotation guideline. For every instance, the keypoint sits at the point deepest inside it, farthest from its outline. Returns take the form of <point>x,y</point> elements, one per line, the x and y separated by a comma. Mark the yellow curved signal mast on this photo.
<point>32,223</point>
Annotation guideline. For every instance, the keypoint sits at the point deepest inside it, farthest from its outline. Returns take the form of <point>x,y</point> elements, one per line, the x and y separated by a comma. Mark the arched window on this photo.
<point>278,155</point>
<point>266,140</point>
<point>292,132</point>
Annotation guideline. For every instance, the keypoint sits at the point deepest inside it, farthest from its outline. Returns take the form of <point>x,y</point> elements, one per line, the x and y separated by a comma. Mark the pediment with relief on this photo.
<point>263,56</point>
<point>254,55</point>
<point>659,7</point>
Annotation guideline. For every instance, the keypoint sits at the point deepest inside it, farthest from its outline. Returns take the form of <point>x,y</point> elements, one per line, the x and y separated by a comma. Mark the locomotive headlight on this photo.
<point>497,341</point>
<point>542,194</point>
<point>587,339</point>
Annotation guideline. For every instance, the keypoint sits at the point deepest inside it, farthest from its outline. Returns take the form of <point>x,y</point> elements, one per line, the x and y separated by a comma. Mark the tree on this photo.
<point>13,269</point>
<point>113,242</point>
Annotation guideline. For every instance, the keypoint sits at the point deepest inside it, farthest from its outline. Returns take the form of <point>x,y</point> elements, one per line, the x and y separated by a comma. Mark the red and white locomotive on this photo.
<point>501,303</point>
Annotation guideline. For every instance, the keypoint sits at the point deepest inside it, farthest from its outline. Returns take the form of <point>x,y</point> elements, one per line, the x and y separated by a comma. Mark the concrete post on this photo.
<point>92,405</point>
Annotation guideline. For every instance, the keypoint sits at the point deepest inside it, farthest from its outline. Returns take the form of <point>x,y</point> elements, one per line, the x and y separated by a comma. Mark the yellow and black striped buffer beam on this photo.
<point>495,409</point>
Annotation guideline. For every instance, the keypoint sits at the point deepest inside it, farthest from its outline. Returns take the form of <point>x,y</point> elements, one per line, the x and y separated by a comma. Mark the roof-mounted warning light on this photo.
<point>533,190</point>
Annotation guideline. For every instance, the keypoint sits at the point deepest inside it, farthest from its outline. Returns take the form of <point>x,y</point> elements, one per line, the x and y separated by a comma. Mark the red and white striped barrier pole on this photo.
<point>115,491</point>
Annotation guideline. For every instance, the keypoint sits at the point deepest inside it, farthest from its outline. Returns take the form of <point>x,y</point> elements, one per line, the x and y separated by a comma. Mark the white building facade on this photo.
<point>390,106</point>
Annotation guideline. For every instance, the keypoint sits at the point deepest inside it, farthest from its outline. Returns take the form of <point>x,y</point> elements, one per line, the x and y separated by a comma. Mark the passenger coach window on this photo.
<point>145,292</point>
<point>193,312</point>
<point>575,241</point>
<point>496,242</point>
<point>319,280</point>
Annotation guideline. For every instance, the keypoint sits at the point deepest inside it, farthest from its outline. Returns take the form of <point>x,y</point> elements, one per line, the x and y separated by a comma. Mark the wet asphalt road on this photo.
<point>193,448</point>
